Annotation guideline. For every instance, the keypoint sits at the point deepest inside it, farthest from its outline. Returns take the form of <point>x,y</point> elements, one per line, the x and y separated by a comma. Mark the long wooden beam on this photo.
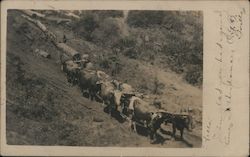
<point>61,46</point>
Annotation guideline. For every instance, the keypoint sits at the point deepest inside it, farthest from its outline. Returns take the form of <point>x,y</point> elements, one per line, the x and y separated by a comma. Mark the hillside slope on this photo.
<point>44,109</point>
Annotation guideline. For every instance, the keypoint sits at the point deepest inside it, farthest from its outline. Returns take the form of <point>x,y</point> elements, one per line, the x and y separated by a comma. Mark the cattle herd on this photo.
<point>121,98</point>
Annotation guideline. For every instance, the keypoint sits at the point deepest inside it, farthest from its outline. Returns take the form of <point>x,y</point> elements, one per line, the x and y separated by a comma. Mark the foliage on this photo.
<point>85,26</point>
<point>193,75</point>
<point>178,35</point>
<point>127,46</point>
<point>125,42</point>
<point>109,29</point>
<point>108,13</point>
<point>158,86</point>
<point>183,40</point>
<point>97,24</point>
<point>111,64</point>
<point>145,18</point>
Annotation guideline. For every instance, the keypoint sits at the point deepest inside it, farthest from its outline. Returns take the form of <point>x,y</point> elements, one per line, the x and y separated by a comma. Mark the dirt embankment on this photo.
<point>44,109</point>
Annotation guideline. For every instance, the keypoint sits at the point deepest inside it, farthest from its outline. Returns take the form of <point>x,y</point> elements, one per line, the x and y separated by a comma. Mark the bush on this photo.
<point>107,33</point>
<point>179,37</point>
<point>143,87</point>
<point>131,53</point>
<point>194,75</point>
<point>85,26</point>
<point>145,18</point>
<point>127,46</point>
<point>182,52</point>
<point>125,42</point>
<point>172,21</point>
<point>108,13</point>
<point>105,63</point>
<point>158,86</point>
<point>111,64</point>
<point>98,24</point>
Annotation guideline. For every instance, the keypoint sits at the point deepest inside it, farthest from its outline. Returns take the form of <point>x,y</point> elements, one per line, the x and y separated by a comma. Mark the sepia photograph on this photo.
<point>124,78</point>
<point>104,78</point>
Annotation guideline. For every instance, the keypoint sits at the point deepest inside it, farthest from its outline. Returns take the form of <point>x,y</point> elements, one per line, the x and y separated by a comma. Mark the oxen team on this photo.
<point>123,99</point>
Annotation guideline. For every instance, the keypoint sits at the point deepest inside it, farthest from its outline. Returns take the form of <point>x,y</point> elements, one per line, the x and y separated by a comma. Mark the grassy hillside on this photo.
<point>44,109</point>
<point>168,39</point>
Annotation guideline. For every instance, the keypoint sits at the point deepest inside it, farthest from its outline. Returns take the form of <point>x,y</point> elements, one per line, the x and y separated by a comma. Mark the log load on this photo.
<point>33,13</point>
<point>72,53</point>
<point>68,51</point>
<point>43,28</point>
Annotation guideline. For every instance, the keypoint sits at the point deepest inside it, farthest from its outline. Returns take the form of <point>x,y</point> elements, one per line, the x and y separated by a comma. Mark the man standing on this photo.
<point>64,38</point>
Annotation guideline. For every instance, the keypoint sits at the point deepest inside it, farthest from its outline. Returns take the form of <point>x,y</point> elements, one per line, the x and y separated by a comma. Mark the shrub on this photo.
<point>143,87</point>
<point>194,75</point>
<point>107,33</point>
<point>182,52</point>
<point>125,42</point>
<point>172,21</point>
<point>105,63</point>
<point>85,26</point>
<point>111,64</point>
<point>108,13</point>
<point>158,87</point>
<point>131,53</point>
<point>145,18</point>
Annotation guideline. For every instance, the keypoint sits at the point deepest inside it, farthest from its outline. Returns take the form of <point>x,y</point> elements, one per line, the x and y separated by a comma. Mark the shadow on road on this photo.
<point>177,138</point>
<point>159,139</point>
<point>114,114</point>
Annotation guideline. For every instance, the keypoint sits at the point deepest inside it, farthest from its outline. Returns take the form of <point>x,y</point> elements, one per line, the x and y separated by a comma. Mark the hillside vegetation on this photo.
<point>159,53</point>
<point>166,38</point>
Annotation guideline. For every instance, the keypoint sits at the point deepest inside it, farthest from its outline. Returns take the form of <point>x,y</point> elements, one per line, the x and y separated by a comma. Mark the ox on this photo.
<point>110,93</point>
<point>88,81</point>
<point>178,121</point>
<point>106,92</point>
<point>144,115</point>
<point>122,93</point>
<point>102,75</point>
<point>72,70</point>
<point>126,88</point>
